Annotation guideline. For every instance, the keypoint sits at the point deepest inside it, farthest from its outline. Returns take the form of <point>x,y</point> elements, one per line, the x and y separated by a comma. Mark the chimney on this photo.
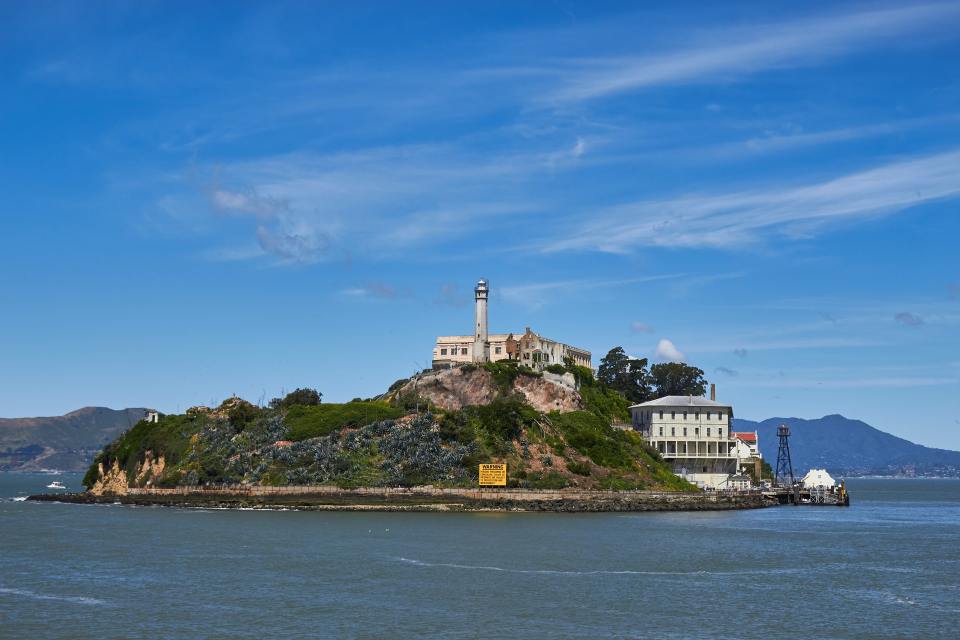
<point>713,392</point>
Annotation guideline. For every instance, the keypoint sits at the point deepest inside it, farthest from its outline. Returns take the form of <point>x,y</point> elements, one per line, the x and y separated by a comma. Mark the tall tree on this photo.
<point>627,375</point>
<point>677,379</point>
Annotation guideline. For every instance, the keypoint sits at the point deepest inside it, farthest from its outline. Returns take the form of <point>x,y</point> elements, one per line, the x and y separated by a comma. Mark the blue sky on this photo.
<point>216,198</point>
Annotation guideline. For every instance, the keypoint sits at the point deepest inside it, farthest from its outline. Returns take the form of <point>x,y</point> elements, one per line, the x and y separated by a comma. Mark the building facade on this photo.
<point>528,348</point>
<point>693,435</point>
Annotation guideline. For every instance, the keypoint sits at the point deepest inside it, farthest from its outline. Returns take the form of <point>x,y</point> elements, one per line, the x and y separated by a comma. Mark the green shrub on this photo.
<point>558,369</point>
<point>579,468</point>
<point>593,436</point>
<point>550,480</point>
<point>310,422</point>
<point>306,397</point>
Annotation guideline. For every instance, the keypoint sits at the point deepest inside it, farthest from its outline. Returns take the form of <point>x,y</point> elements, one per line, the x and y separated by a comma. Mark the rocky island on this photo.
<point>416,447</point>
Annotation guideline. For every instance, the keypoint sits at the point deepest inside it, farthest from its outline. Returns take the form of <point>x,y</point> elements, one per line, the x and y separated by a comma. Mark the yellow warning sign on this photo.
<point>493,475</point>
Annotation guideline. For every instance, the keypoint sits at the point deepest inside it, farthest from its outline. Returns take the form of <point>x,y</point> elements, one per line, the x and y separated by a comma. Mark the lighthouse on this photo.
<point>481,340</point>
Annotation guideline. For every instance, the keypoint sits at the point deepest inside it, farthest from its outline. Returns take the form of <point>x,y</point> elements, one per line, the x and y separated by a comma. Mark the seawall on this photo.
<point>421,499</point>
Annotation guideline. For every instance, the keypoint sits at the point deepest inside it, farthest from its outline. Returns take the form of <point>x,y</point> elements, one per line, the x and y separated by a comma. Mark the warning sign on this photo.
<point>493,475</point>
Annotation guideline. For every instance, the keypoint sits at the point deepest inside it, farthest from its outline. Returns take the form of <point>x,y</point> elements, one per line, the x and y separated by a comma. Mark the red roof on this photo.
<point>746,436</point>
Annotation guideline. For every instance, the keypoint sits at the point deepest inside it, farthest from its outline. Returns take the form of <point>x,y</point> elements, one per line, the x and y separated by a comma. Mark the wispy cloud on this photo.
<point>908,319</point>
<point>742,51</point>
<point>539,293</point>
<point>378,290</point>
<point>641,327</point>
<point>731,220</point>
<point>727,371</point>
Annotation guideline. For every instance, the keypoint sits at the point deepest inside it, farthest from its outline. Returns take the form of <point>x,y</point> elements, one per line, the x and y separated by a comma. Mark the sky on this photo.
<point>206,199</point>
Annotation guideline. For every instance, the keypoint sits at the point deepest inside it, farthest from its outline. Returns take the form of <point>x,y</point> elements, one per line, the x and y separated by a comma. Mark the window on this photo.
<point>708,415</point>
<point>661,430</point>
<point>498,350</point>
<point>463,352</point>
<point>720,416</point>
<point>696,431</point>
<point>661,415</point>
<point>708,432</point>
<point>696,416</point>
<point>719,433</point>
<point>673,431</point>
<point>443,352</point>
<point>684,415</point>
<point>673,415</point>
<point>684,431</point>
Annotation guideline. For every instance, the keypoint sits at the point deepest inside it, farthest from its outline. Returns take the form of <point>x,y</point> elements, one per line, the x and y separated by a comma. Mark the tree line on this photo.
<point>637,382</point>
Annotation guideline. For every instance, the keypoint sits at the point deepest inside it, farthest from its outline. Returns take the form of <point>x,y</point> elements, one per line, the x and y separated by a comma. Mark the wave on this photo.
<point>26,593</point>
<point>19,499</point>
<point>559,572</point>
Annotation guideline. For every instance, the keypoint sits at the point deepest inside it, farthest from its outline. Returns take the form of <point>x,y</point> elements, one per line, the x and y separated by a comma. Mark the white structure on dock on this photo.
<point>693,435</point>
<point>818,479</point>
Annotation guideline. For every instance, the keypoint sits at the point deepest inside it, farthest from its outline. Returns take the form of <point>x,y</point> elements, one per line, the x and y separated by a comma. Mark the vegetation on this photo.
<point>677,379</point>
<point>297,440</point>
<point>306,397</point>
<point>630,377</point>
<point>323,419</point>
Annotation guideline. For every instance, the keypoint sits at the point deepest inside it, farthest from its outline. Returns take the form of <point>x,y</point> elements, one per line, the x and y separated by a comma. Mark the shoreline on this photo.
<point>426,499</point>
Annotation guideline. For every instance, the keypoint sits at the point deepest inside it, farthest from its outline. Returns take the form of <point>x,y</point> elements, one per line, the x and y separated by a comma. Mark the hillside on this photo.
<point>384,442</point>
<point>65,443</point>
<point>851,447</point>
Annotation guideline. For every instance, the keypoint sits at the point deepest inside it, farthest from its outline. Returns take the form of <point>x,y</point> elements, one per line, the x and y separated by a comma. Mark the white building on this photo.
<point>818,479</point>
<point>693,435</point>
<point>529,348</point>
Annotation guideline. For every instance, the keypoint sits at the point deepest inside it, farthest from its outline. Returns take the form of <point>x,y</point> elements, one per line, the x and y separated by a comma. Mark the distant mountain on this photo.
<point>850,447</point>
<point>65,443</point>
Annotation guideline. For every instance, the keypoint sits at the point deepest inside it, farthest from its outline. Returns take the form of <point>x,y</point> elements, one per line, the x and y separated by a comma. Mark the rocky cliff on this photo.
<point>459,387</point>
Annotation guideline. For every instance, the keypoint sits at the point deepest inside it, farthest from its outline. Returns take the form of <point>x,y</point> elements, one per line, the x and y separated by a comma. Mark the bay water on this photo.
<point>887,567</point>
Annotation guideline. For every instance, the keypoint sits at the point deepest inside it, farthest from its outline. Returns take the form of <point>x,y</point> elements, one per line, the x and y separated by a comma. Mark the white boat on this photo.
<point>56,484</point>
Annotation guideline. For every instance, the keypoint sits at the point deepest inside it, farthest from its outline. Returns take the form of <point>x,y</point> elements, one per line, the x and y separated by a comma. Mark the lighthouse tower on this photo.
<point>481,341</point>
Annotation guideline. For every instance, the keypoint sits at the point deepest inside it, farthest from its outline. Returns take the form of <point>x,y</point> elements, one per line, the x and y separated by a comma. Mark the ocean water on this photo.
<point>887,567</point>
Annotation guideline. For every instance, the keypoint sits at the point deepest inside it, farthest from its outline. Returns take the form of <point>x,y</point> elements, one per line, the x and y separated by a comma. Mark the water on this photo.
<point>888,567</point>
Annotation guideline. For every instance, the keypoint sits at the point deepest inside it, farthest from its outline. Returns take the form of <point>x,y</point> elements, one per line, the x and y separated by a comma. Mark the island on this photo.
<point>564,437</point>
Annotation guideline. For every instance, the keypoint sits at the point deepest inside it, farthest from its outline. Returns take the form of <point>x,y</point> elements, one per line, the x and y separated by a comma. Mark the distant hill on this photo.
<point>65,443</point>
<point>850,447</point>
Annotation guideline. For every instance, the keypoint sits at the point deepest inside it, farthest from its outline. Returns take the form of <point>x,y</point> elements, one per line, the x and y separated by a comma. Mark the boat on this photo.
<point>56,484</point>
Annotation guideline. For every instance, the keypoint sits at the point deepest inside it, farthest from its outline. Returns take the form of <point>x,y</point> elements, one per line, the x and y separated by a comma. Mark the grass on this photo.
<point>324,419</point>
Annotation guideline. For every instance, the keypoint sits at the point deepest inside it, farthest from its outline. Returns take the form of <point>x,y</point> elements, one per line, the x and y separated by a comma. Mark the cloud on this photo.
<point>908,319</point>
<point>726,371</point>
<point>249,202</point>
<point>378,290</point>
<point>666,351</point>
<point>733,220</point>
<point>641,327</point>
<point>451,296</point>
<point>730,54</point>
<point>539,293</point>
<point>740,353</point>
<point>294,242</point>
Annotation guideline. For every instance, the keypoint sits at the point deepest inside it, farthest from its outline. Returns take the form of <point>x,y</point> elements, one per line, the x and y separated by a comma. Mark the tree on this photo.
<point>677,379</point>
<point>624,374</point>
<point>305,396</point>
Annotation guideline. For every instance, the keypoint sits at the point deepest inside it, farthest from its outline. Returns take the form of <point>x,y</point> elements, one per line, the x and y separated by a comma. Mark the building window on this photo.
<point>719,433</point>
<point>708,432</point>
<point>463,352</point>
<point>696,416</point>
<point>661,430</point>
<point>696,431</point>
<point>443,352</point>
<point>673,431</point>
<point>497,350</point>
<point>684,431</point>
<point>661,415</point>
<point>708,415</point>
<point>720,416</point>
<point>684,415</point>
<point>673,415</point>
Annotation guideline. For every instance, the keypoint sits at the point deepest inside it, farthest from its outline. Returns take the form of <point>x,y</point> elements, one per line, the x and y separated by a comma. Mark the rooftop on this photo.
<point>682,401</point>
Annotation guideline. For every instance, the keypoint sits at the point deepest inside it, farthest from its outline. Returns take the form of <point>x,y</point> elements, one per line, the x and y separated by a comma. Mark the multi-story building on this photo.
<point>693,435</point>
<point>529,347</point>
